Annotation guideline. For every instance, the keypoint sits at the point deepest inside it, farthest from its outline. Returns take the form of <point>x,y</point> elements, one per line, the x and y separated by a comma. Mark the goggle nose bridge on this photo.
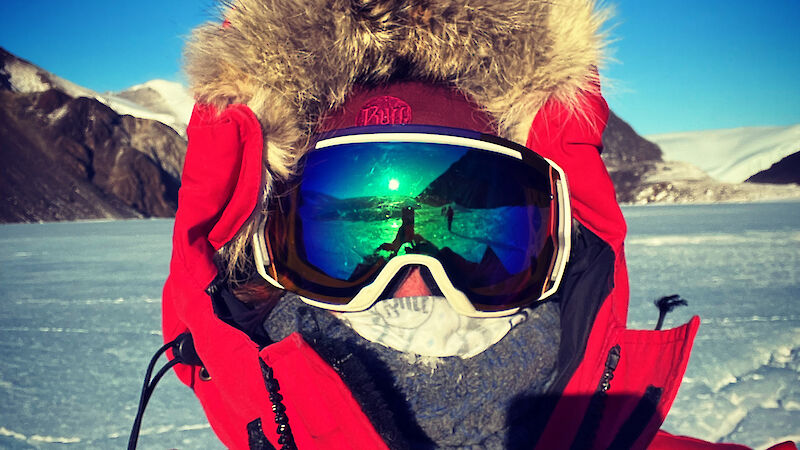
<point>372,292</point>
<point>402,276</point>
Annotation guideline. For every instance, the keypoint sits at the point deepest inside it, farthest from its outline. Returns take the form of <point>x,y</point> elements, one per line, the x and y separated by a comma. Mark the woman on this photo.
<point>485,337</point>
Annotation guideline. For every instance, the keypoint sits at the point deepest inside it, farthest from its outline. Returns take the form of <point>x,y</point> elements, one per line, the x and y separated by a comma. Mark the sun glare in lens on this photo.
<point>394,184</point>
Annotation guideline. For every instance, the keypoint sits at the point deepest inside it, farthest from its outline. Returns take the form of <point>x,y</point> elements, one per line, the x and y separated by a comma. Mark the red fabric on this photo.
<point>220,188</point>
<point>666,441</point>
<point>429,105</point>
<point>222,173</point>
<point>788,445</point>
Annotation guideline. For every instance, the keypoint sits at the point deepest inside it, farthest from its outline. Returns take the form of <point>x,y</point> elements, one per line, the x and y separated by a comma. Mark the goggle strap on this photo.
<point>261,255</point>
<point>564,231</point>
<point>419,138</point>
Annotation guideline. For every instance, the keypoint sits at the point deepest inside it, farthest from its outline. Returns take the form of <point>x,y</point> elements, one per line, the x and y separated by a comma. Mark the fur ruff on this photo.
<point>291,61</point>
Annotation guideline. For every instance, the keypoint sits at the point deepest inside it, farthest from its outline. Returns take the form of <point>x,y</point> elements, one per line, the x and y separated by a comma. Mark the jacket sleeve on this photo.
<point>219,190</point>
<point>221,185</point>
<point>572,138</point>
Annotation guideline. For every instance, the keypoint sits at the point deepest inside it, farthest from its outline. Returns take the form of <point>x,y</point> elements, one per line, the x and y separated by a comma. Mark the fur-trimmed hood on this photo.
<point>283,66</point>
<point>291,61</point>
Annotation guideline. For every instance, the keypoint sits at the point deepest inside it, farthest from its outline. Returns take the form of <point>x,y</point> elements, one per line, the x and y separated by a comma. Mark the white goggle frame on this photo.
<point>369,294</point>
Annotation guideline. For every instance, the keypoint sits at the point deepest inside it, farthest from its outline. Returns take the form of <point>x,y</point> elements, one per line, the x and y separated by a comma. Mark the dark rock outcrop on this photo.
<point>785,171</point>
<point>628,157</point>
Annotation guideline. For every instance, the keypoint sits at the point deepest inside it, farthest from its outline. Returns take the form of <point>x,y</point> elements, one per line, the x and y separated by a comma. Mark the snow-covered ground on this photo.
<point>738,266</point>
<point>731,155</point>
<point>80,318</point>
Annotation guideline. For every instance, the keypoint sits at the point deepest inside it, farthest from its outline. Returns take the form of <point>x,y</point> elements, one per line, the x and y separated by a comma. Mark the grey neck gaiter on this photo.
<point>434,402</point>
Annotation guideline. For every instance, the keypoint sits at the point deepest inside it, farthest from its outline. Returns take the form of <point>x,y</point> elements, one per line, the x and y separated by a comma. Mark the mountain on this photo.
<point>669,169</point>
<point>471,181</point>
<point>165,101</point>
<point>731,155</point>
<point>628,157</point>
<point>67,152</point>
<point>66,155</point>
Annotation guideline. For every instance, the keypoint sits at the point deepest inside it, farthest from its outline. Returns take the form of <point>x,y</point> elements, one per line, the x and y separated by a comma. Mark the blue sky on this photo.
<point>678,66</point>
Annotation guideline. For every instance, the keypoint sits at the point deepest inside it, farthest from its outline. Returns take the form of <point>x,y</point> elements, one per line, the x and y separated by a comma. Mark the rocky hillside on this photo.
<point>628,157</point>
<point>68,157</point>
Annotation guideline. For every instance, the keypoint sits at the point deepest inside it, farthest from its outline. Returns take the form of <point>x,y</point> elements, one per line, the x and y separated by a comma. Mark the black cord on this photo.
<point>183,352</point>
<point>150,385</point>
<point>667,304</point>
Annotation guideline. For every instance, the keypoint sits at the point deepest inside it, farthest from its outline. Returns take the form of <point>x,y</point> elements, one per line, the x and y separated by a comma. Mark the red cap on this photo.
<point>409,102</point>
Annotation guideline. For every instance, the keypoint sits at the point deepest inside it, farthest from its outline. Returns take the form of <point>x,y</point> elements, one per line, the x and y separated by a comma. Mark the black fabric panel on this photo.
<point>255,436</point>
<point>638,420</point>
<point>587,282</point>
<point>587,432</point>
<point>238,314</point>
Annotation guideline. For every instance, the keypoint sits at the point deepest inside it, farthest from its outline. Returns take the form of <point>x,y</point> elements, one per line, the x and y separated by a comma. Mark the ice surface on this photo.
<point>80,318</point>
<point>738,267</point>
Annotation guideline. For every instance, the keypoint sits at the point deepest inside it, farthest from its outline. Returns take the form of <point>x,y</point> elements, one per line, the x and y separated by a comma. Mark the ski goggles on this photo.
<point>489,219</point>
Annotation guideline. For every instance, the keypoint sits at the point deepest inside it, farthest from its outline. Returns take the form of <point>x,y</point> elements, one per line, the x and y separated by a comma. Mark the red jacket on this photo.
<point>641,369</point>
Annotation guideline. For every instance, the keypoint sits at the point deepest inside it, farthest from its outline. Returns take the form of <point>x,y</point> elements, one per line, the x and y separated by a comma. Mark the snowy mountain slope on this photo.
<point>731,155</point>
<point>639,170</point>
<point>160,97</point>
<point>164,101</point>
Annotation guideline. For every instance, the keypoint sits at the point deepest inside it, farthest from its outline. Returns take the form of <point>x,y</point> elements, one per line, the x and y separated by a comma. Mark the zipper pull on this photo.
<point>611,365</point>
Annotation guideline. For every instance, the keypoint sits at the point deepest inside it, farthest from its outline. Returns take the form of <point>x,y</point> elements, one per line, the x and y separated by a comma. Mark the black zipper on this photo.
<point>285,437</point>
